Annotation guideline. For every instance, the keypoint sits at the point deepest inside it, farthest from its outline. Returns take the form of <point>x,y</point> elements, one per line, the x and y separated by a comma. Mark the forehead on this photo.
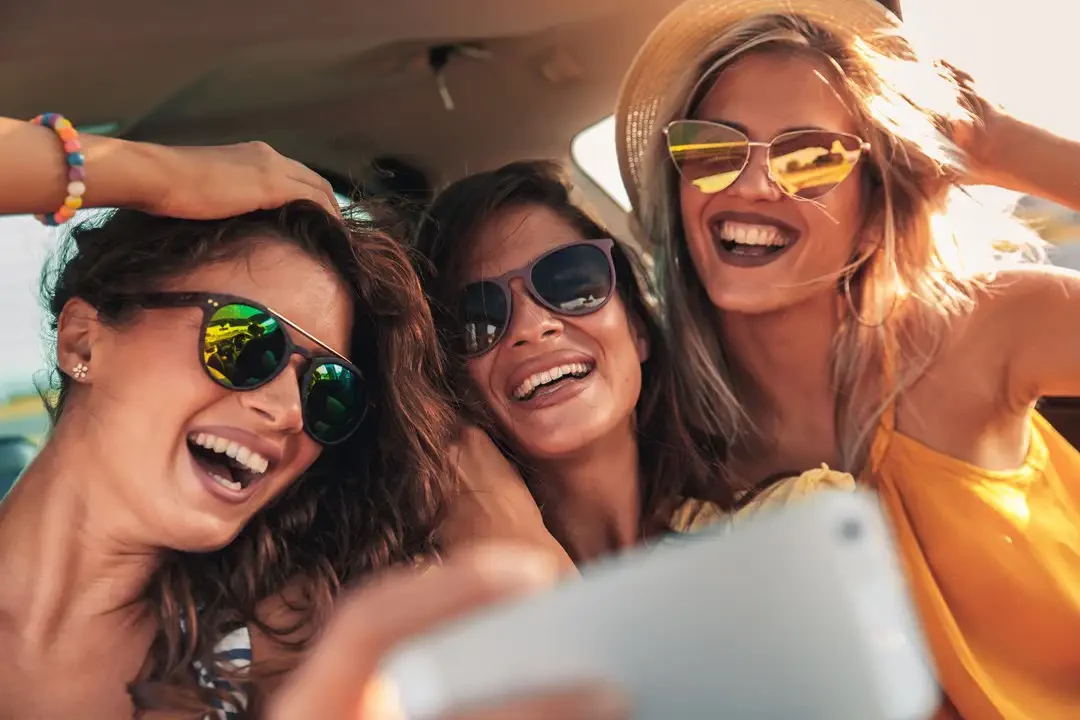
<point>770,92</point>
<point>514,237</point>
<point>287,280</point>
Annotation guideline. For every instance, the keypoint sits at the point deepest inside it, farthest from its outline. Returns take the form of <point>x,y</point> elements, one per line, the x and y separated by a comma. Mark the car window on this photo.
<point>25,244</point>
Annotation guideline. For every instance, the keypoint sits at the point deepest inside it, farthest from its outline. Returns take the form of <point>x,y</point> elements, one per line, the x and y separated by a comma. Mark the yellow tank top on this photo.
<point>994,564</point>
<point>993,560</point>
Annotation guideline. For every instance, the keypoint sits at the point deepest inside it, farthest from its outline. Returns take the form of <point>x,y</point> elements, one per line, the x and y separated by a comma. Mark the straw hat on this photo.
<point>665,69</point>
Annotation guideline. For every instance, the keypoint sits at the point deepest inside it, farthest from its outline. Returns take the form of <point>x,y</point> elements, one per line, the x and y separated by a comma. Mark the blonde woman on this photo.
<point>798,175</point>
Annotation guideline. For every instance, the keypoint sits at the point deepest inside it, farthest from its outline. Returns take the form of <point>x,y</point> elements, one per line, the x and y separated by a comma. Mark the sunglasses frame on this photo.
<point>524,272</point>
<point>751,144</point>
<point>210,303</point>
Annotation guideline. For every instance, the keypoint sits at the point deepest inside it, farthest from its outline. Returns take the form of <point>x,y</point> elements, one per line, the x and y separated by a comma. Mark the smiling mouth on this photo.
<point>550,380</point>
<point>752,240</point>
<point>229,463</point>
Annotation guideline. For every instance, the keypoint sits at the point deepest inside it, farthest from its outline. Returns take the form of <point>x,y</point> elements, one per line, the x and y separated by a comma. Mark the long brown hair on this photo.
<point>676,463</point>
<point>372,502</point>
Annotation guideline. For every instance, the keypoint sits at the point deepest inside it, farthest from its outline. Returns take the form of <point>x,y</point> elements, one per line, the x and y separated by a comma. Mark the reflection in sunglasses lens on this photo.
<point>708,155</point>
<point>334,402</point>
<point>484,314</point>
<point>574,280</point>
<point>243,345</point>
<point>810,164</point>
<point>805,163</point>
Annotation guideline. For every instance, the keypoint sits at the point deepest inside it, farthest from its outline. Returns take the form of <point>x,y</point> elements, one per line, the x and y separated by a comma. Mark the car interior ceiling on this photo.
<point>336,84</point>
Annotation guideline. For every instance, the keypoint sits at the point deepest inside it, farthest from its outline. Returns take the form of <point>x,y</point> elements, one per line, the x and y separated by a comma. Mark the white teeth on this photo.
<point>226,483</point>
<point>748,234</point>
<point>543,378</point>
<point>247,457</point>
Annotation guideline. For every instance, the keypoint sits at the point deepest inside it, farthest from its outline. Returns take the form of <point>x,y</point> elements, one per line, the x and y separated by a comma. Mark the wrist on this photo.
<point>125,173</point>
<point>1006,159</point>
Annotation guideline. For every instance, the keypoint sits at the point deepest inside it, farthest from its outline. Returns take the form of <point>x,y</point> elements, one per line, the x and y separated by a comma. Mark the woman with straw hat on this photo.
<point>796,167</point>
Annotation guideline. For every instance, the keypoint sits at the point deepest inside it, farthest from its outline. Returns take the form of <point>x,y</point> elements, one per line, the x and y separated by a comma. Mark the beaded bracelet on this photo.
<point>75,160</point>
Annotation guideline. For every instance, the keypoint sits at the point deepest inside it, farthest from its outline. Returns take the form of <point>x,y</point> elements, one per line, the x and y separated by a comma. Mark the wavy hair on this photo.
<point>371,502</point>
<point>677,463</point>
<point>922,247</point>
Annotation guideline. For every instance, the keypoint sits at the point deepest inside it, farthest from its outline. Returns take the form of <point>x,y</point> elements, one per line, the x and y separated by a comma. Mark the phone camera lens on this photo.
<point>851,530</point>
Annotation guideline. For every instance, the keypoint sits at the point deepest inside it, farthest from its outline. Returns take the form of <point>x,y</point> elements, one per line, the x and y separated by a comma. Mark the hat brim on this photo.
<point>663,70</point>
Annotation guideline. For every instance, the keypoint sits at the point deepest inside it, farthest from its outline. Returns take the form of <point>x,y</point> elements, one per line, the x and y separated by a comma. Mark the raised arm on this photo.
<point>195,182</point>
<point>1029,159</point>
<point>1037,313</point>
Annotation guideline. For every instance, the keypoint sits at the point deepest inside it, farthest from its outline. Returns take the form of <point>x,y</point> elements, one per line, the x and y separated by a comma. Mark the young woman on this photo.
<point>797,174</point>
<point>557,354</point>
<point>228,447</point>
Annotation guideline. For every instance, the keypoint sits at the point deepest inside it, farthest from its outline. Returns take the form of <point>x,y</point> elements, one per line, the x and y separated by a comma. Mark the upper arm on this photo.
<point>1037,310</point>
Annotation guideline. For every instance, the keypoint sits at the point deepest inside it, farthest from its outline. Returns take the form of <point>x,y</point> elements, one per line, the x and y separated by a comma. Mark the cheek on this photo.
<point>146,372</point>
<point>483,379</point>
<point>840,221</point>
<point>691,206</point>
<point>611,330</point>
<point>307,452</point>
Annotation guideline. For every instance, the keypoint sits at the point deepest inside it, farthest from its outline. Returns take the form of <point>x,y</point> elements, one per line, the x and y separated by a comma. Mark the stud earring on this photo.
<point>79,371</point>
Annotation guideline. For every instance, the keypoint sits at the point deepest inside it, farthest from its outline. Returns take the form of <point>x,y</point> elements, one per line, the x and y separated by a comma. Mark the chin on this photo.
<point>205,537</point>
<point>565,442</point>
<point>747,303</point>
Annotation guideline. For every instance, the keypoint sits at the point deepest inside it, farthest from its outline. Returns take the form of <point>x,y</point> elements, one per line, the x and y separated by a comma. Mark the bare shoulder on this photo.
<point>1017,295</point>
<point>1009,303</point>
<point>1017,313</point>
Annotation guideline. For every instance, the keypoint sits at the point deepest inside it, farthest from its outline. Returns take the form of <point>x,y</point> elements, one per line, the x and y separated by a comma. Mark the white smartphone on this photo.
<point>799,613</point>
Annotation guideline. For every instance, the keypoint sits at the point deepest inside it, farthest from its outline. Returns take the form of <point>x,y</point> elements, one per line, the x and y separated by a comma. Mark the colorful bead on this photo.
<point>76,173</point>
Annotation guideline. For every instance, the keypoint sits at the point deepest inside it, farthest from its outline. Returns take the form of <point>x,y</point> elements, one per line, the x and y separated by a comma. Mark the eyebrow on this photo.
<point>746,131</point>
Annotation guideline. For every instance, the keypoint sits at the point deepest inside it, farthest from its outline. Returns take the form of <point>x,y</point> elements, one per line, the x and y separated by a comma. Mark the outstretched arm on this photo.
<point>195,182</point>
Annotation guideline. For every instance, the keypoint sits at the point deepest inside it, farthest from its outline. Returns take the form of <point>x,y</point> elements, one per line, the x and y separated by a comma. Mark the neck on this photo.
<point>787,357</point>
<point>64,568</point>
<point>591,500</point>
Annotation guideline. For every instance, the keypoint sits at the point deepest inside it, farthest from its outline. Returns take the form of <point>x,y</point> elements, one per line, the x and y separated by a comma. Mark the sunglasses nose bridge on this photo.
<point>756,181</point>
<point>279,401</point>
<point>530,320</point>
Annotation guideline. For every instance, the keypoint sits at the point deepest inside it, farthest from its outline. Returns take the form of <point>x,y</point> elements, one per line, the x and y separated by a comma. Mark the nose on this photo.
<point>754,182</point>
<point>278,401</point>
<point>530,322</point>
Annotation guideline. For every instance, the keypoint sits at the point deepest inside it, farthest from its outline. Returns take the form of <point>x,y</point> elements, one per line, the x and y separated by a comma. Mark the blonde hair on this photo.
<point>918,247</point>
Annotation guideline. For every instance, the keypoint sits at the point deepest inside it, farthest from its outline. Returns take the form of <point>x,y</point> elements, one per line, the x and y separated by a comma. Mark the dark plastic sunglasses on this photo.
<point>805,164</point>
<point>243,345</point>
<point>573,279</point>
